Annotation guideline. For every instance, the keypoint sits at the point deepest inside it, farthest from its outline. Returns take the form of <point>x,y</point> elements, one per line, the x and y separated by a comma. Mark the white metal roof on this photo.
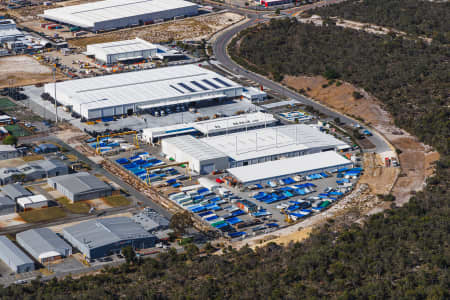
<point>145,87</point>
<point>288,166</point>
<point>86,15</point>
<point>120,47</point>
<point>194,147</point>
<point>22,201</point>
<point>234,122</point>
<point>7,148</point>
<point>212,126</point>
<point>272,141</point>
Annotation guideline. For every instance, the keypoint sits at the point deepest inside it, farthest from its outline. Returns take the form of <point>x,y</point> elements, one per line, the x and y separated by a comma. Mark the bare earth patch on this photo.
<point>196,28</point>
<point>23,70</point>
<point>417,160</point>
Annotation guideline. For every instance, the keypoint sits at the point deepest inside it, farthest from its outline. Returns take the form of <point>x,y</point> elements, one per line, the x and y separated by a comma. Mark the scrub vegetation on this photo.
<point>415,17</point>
<point>402,253</point>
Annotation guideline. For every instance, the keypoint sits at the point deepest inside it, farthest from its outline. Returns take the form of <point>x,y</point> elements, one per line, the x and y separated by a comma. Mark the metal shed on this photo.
<point>80,186</point>
<point>15,191</point>
<point>7,206</point>
<point>11,255</point>
<point>102,237</point>
<point>43,244</point>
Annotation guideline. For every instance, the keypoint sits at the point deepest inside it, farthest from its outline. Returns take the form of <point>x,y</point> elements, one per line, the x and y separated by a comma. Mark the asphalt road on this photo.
<point>221,55</point>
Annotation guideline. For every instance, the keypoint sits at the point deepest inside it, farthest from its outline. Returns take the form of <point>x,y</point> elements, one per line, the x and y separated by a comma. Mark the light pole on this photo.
<point>56,105</point>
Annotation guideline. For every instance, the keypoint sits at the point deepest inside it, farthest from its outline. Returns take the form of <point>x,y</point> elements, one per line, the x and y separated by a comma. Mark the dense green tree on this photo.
<point>10,140</point>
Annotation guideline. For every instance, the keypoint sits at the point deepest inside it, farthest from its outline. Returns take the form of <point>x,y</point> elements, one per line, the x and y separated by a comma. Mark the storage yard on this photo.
<point>192,29</point>
<point>30,71</point>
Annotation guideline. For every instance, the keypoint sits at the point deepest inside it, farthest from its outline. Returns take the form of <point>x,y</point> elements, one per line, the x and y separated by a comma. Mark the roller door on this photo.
<point>108,112</point>
<point>207,169</point>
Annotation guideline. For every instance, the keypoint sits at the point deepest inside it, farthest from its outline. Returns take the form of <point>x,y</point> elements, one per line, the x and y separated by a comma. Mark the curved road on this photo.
<point>220,52</point>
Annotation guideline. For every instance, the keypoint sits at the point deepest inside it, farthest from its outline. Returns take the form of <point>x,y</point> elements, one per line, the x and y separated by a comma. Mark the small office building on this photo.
<point>122,51</point>
<point>8,151</point>
<point>34,201</point>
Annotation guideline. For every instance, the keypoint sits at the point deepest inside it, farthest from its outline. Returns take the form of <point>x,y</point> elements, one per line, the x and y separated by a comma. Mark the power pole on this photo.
<point>56,105</point>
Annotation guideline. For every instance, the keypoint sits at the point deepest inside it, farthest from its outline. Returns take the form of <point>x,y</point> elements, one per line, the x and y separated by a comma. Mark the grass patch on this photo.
<point>72,157</point>
<point>5,103</point>
<point>43,214</point>
<point>32,158</point>
<point>17,130</point>
<point>75,208</point>
<point>117,200</point>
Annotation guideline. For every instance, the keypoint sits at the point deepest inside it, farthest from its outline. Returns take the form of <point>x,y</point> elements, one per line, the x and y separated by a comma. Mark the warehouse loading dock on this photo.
<point>128,93</point>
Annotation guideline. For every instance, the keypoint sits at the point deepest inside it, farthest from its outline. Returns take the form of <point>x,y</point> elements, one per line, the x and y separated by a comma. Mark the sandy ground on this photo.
<point>367,27</point>
<point>99,204</point>
<point>196,28</point>
<point>11,163</point>
<point>379,179</point>
<point>417,160</point>
<point>23,70</point>
<point>11,220</point>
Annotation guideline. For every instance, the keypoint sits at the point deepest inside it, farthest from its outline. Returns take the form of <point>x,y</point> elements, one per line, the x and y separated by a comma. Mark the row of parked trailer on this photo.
<point>205,203</point>
<point>139,163</point>
<point>107,144</point>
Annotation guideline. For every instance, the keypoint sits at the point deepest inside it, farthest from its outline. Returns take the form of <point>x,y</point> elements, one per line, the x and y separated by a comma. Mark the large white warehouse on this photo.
<point>250,147</point>
<point>113,14</point>
<point>283,168</point>
<point>272,143</point>
<point>126,93</point>
<point>122,51</point>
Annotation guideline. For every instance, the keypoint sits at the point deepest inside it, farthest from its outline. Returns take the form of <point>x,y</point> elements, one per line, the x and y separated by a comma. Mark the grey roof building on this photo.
<point>151,220</point>
<point>8,151</point>
<point>7,206</point>
<point>34,170</point>
<point>102,237</point>
<point>11,255</point>
<point>43,244</point>
<point>80,186</point>
<point>15,191</point>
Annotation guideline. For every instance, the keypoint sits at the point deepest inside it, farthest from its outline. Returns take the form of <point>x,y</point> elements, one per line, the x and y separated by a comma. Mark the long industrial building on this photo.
<point>13,257</point>
<point>211,127</point>
<point>280,169</point>
<point>249,147</point>
<point>43,244</point>
<point>122,51</point>
<point>272,143</point>
<point>102,237</point>
<point>114,14</point>
<point>127,93</point>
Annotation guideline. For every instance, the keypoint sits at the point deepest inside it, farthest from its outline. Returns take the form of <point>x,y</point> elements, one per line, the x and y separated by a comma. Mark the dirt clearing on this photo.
<point>416,159</point>
<point>196,28</point>
<point>23,70</point>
